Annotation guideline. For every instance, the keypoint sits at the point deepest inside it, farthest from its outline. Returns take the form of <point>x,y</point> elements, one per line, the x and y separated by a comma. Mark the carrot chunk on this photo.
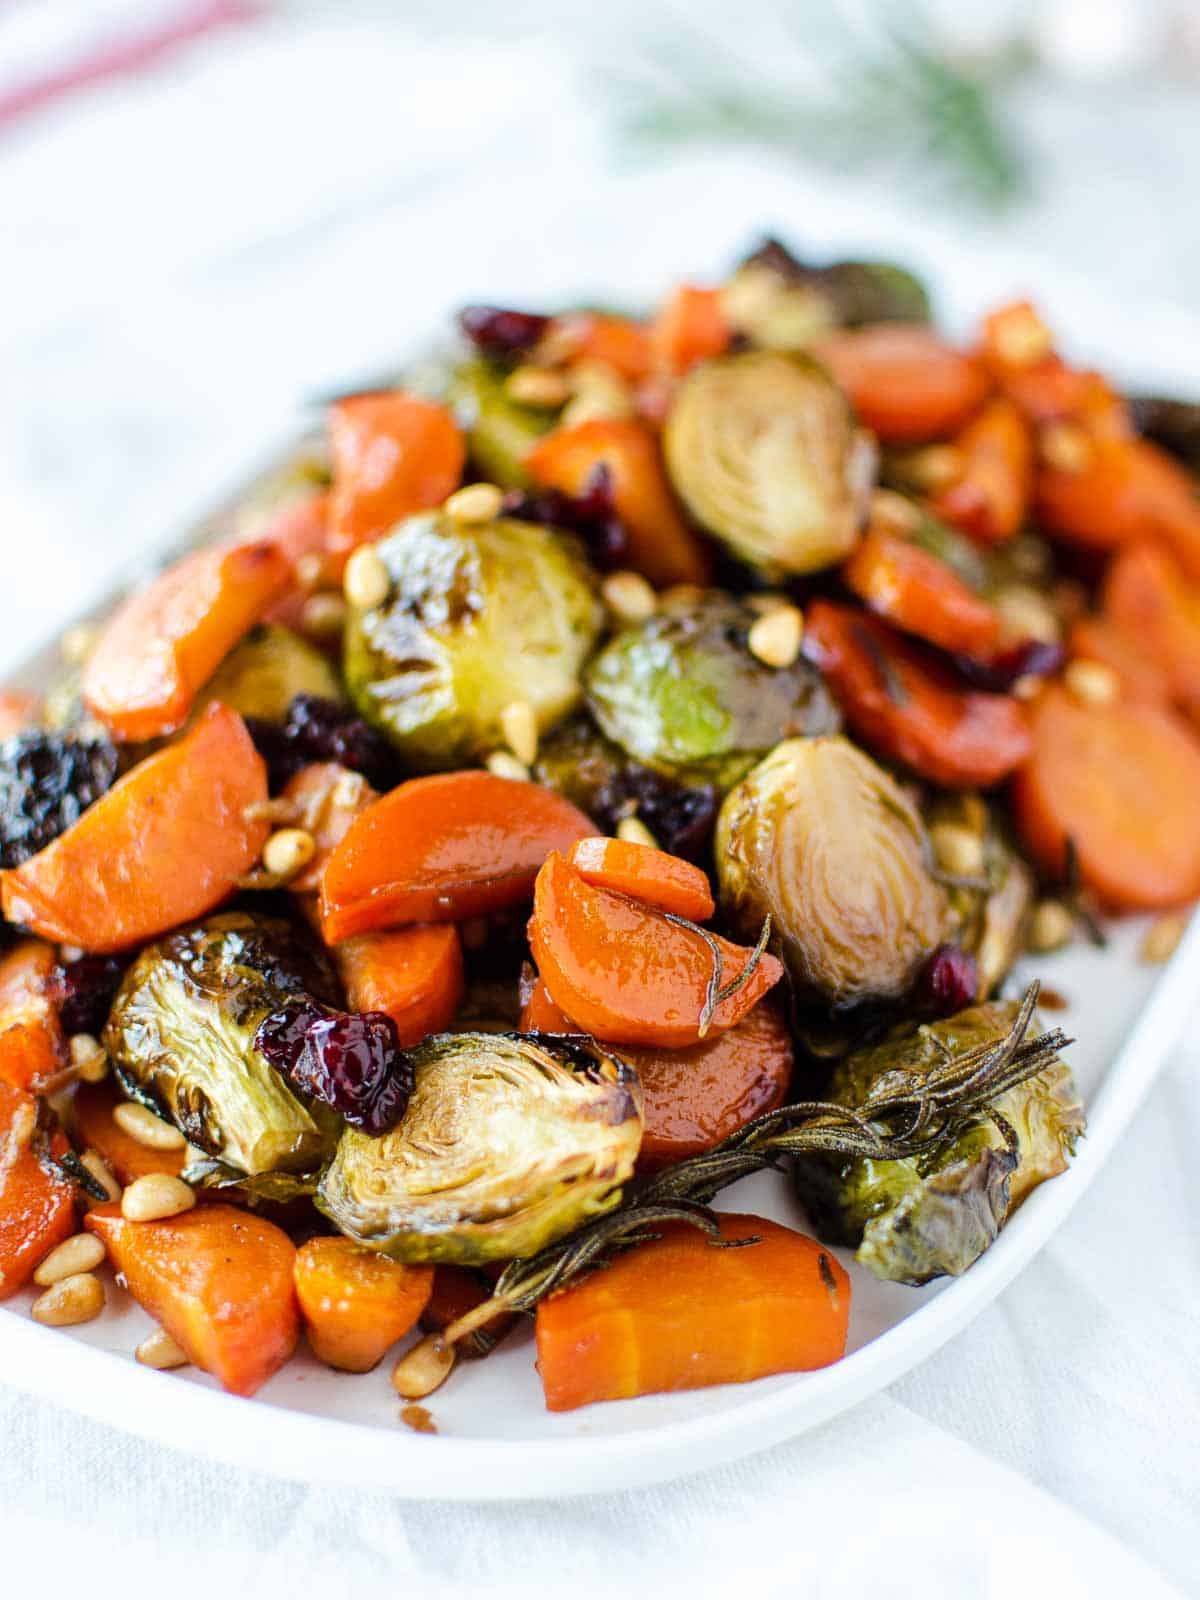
<point>37,1205</point>
<point>32,1047</point>
<point>691,327</point>
<point>127,1157</point>
<point>646,874</point>
<point>920,594</point>
<point>619,342</point>
<point>355,1302</point>
<point>905,383</point>
<point>1148,597</point>
<point>1129,489</point>
<point>413,974</point>
<point>990,499</point>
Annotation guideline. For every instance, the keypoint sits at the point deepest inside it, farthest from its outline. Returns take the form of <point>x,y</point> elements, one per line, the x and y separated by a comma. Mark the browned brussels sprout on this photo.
<point>262,675</point>
<point>781,304</point>
<point>500,431</point>
<point>991,901</point>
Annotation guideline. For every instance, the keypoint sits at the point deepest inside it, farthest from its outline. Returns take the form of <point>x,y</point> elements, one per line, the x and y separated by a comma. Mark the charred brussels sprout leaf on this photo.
<point>827,844</point>
<point>937,1212</point>
<point>181,1035</point>
<point>509,1142</point>
<point>763,450</point>
<point>262,676</point>
<point>47,782</point>
<point>478,616</point>
<point>781,304</point>
<point>500,432</point>
<point>682,693</point>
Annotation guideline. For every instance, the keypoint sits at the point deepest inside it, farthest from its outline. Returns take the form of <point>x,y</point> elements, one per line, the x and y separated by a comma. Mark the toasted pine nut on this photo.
<point>929,468</point>
<point>159,1350</point>
<point>958,850</point>
<point>76,644</point>
<point>1028,687</point>
<point>1025,613</point>
<point>424,1368</point>
<point>310,569</point>
<point>518,724</point>
<point>80,1253</point>
<point>79,1298</point>
<point>277,810</point>
<point>893,512</point>
<point>1066,447</point>
<point>537,386</point>
<point>763,604</point>
<point>69,954</point>
<point>366,583</point>
<point>323,616</point>
<point>141,1124</point>
<point>634,831</point>
<point>288,851</point>
<point>503,764</point>
<point>156,1196</point>
<point>102,1172</point>
<point>88,1057</point>
<point>776,637</point>
<point>628,596</point>
<point>349,792</point>
<point>20,1132</point>
<point>1092,682</point>
<point>681,596</point>
<point>1163,936</point>
<point>1050,927</point>
<point>477,502</point>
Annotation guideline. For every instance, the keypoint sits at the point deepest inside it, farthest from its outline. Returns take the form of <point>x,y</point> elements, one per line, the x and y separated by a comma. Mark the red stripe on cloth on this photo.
<point>124,56</point>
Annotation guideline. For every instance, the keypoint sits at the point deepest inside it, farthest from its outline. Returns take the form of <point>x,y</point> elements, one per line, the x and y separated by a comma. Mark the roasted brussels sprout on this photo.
<point>509,1142</point>
<point>826,843</point>
<point>500,432</point>
<point>181,1036</point>
<point>781,304</point>
<point>936,1213</point>
<point>990,912</point>
<point>262,675</point>
<point>682,693</point>
<point>763,450</point>
<point>478,616</point>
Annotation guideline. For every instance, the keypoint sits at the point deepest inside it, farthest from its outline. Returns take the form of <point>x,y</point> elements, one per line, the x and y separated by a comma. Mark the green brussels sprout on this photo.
<point>181,1038</point>
<point>781,304</point>
<point>261,675</point>
<point>830,846</point>
<point>479,616</point>
<point>509,1142</point>
<point>682,693</point>
<point>500,431</point>
<point>991,913</point>
<point>763,450</point>
<point>937,1212</point>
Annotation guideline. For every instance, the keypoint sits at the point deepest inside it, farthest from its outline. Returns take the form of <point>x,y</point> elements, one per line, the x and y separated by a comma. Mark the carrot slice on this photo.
<point>32,1047</point>
<point>646,874</point>
<point>1120,782</point>
<point>37,1204</point>
<point>218,1279</point>
<point>168,639</point>
<point>328,797</point>
<point>414,974</point>
<point>165,843</point>
<point>1147,595</point>
<point>442,849</point>
<point>1130,489</point>
<point>355,1302</point>
<point>905,383</point>
<point>691,327</point>
<point>908,708</point>
<point>95,1130</point>
<point>990,499</point>
<point>662,546</point>
<point>914,590</point>
<point>624,972</point>
<point>1101,639</point>
<point>680,1313</point>
<point>393,454</point>
<point>618,341</point>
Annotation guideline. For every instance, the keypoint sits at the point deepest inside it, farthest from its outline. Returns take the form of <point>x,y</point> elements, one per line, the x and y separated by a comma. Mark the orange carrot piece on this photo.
<point>355,1302</point>
<point>165,843</point>
<point>1148,597</point>
<point>413,974</point>
<point>1120,782</point>
<point>646,874</point>
<point>329,797</point>
<point>1130,489</point>
<point>95,1129</point>
<point>905,383</point>
<point>620,342</point>
<point>540,1014</point>
<point>37,1204</point>
<point>624,972</point>
<point>915,591</point>
<point>691,327</point>
<point>18,711</point>
<point>1095,638</point>
<point>662,546</point>
<point>442,849</point>
<point>218,1279</point>
<point>1017,349</point>
<point>678,1312</point>
<point>906,707</point>
<point>167,640</point>
<point>33,1050</point>
<point>990,499</point>
<point>393,454</point>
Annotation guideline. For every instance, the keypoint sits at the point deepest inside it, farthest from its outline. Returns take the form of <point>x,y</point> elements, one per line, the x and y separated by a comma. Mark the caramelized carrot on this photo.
<point>165,843</point>
<point>393,454</point>
<point>1101,639</point>
<point>442,849</point>
<point>1129,489</point>
<point>646,874</point>
<point>906,707</point>
<point>691,327</point>
<point>1148,597</point>
<point>95,1129</point>
<point>1018,350</point>
<point>168,639</point>
<point>355,1302</point>
<point>37,1204</point>
<point>911,588</point>
<point>1120,783</point>
<point>625,973</point>
<point>328,797</point>
<point>619,341</point>
<point>662,546</point>
<point>33,1050</point>
<point>218,1279</point>
<point>414,974</point>
<point>990,499</point>
<point>680,1313</point>
<point>905,383</point>
<point>18,710</point>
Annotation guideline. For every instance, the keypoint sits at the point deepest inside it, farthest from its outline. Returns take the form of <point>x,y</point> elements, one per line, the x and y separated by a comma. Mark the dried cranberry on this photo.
<point>682,820</point>
<point>592,515</point>
<point>316,729</point>
<point>949,981</point>
<point>87,987</point>
<point>350,1061</point>
<point>1032,658</point>
<point>47,781</point>
<point>501,333</point>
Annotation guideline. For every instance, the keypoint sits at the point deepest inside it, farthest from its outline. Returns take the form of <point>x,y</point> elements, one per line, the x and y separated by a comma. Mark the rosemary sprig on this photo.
<point>716,993</point>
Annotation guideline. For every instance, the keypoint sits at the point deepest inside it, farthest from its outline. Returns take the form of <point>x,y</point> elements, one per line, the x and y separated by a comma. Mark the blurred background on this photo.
<point>215,210</point>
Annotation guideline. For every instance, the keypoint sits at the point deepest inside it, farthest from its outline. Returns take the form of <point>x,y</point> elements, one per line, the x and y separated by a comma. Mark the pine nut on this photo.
<point>159,1350</point>
<point>288,851</point>
<point>681,596</point>
<point>310,569</point>
<point>69,954</point>
<point>503,764</point>
<point>155,1197</point>
<point>598,393</point>
<point>349,792</point>
<point>424,1368</point>
<point>79,1298</point>
<point>1163,936</point>
<point>1091,682</point>
<point>634,831</point>
<point>1065,447</point>
<point>519,726</point>
<point>1028,687</point>
<point>77,643</point>
<point>88,1057</point>
<point>537,386</point>
<point>776,637</point>
<point>366,583</point>
<point>763,604</point>
<point>629,597</point>
<point>102,1172</point>
<point>20,1133</point>
<point>323,616</point>
<point>80,1253</point>
<point>958,850</point>
<point>478,502</point>
<point>928,469</point>
<point>1050,927</point>
<point>893,513</point>
<point>1025,613</point>
<point>141,1124</point>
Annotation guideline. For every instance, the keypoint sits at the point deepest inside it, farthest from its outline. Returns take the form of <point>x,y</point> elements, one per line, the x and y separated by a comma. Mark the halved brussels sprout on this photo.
<point>479,616</point>
<point>500,432</point>
<point>936,1213</point>
<point>763,450</point>
<point>682,693</point>
<point>181,1038</point>
<point>262,675</point>
<point>830,846</point>
<point>509,1142</point>
<point>781,304</point>
<point>992,914</point>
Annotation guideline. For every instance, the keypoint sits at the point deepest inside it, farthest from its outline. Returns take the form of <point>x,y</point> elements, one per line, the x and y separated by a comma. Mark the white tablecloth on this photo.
<point>186,255</point>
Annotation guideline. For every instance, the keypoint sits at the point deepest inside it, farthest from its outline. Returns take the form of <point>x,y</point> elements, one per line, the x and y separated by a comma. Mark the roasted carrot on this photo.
<point>165,843</point>
<point>37,1204</point>
<point>414,974</point>
<point>540,1014</point>
<point>905,383</point>
<point>620,342</point>
<point>1128,489</point>
<point>906,707</point>
<point>990,498</point>
<point>218,1279</point>
<point>690,327</point>
<point>18,710</point>
<point>1018,350</point>
<point>168,639</point>
<point>1119,782</point>
<point>442,849</point>
<point>33,1050</point>
<point>679,1312</point>
<point>646,874</point>
<point>628,975</point>
<point>355,1302</point>
<point>1147,595</point>
<point>662,546</point>
<point>917,592</point>
<point>92,1110</point>
<point>393,454</point>
<point>328,797</point>
<point>1096,638</point>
